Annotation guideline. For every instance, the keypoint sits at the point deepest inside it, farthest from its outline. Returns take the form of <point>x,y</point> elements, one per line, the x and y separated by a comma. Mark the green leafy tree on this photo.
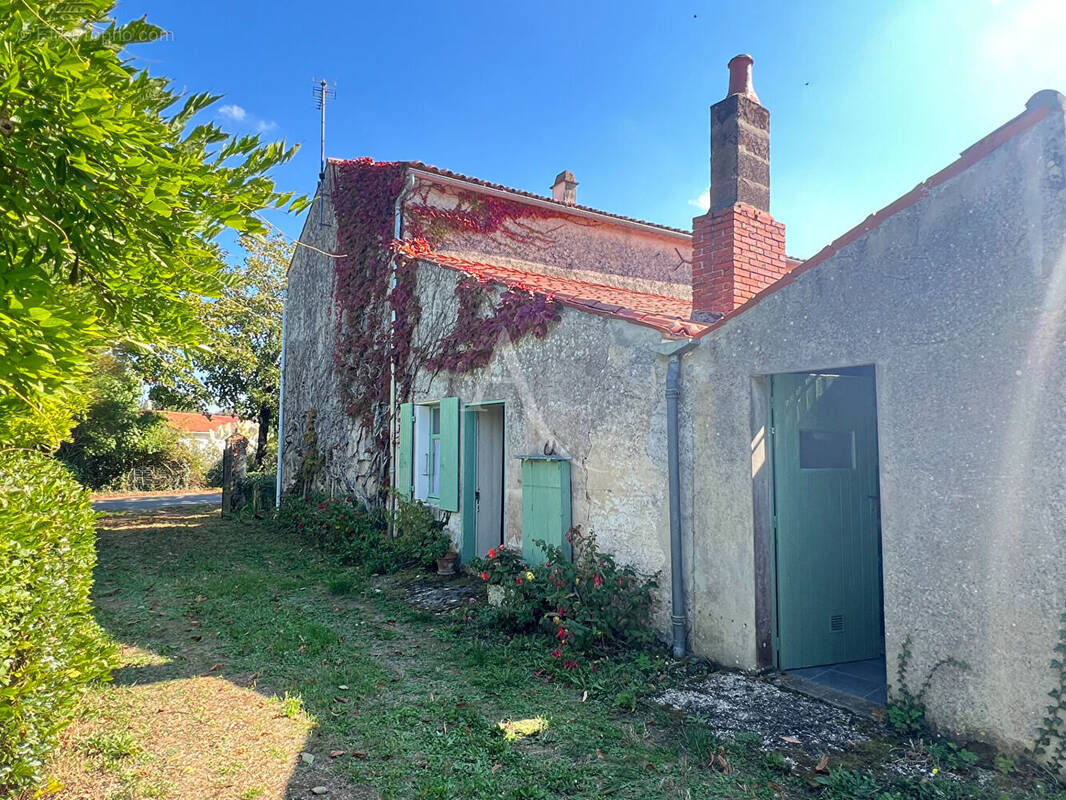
<point>116,435</point>
<point>237,365</point>
<point>110,199</point>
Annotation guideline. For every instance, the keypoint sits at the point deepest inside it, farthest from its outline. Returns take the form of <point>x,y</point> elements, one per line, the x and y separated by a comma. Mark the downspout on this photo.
<point>678,615</point>
<point>397,232</point>
<point>281,395</point>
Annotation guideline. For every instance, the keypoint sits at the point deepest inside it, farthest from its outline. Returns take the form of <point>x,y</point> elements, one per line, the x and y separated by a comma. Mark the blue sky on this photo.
<point>866,98</point>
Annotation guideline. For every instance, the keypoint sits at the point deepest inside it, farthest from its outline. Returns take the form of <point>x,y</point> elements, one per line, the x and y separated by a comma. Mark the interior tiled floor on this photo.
<point>865,679</point>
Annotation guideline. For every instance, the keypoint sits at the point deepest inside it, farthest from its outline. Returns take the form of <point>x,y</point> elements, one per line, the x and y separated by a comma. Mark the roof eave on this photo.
<point>562,208</point>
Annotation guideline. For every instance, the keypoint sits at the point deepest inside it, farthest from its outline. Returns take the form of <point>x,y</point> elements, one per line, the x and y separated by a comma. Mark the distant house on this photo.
<point>823,459</point>
<point>209,432</point>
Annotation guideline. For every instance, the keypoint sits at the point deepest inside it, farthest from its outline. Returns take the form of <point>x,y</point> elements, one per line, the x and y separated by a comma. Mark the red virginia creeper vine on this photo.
<point>376,320</point>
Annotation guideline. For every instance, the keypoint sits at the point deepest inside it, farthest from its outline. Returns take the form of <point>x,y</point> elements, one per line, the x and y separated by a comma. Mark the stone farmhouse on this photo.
<point>823,460</point>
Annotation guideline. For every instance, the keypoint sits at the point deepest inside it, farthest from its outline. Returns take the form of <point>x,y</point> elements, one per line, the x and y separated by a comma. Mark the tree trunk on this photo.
<point>261,440</point>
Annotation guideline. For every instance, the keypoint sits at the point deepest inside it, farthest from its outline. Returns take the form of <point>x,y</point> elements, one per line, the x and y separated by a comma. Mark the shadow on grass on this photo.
<point>244,676</point>
<point>208,714</point>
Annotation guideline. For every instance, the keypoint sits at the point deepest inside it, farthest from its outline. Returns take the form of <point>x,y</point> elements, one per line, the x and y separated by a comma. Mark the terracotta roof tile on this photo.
<point>197,423</point>
<point>669,315</point>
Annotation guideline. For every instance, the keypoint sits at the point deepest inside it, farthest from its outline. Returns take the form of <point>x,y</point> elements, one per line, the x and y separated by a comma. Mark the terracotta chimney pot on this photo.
<point>740,77</point>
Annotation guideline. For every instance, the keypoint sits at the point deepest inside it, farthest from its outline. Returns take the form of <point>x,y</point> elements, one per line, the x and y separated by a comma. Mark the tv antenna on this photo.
<point>323,91</point>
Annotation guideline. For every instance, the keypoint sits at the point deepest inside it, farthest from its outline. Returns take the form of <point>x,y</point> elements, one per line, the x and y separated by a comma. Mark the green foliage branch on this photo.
<point>906,709</point>
<point>1051,733</point>
<point>111,197</point>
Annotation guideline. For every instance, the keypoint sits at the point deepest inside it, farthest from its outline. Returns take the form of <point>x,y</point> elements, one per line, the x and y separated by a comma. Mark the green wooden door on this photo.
<point>545,506</point>
<point>828,548</point>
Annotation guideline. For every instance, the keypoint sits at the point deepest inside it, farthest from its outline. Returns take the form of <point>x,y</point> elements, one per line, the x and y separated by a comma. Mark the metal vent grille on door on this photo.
<point>836,623</point>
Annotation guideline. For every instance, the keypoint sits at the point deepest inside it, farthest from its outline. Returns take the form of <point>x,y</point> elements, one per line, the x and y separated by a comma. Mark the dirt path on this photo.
<point>152,501</point>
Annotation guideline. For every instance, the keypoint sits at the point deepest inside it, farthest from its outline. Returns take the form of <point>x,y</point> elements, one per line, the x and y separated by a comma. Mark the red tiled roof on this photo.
<point>197,423</point>
<point>669,315</point>
<point>447,173</point>
<point>1037,108</point>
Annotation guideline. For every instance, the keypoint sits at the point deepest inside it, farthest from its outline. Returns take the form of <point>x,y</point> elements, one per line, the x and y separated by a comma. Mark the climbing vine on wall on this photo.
<point>473,338</point>
<point>368,339</point>
<point>376,298</point>
<point>470,344</point>
<point>477,214</point>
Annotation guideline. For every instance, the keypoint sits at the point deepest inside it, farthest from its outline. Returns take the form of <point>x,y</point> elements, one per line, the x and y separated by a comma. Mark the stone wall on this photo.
<point>592,390</point>
<point>311,385</point>
<point>642,258</point>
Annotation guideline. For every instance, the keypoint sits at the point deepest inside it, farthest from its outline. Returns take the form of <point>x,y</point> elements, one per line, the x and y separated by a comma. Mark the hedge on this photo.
<point>50,645</point>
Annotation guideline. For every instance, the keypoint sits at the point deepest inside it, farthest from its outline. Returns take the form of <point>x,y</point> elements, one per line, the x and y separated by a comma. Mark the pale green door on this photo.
<point>827,519</point>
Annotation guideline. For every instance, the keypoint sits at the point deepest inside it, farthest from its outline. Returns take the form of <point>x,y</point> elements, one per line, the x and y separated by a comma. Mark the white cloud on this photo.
<point>265,125</point>
<point>233,112</point>
<point>703,202</point>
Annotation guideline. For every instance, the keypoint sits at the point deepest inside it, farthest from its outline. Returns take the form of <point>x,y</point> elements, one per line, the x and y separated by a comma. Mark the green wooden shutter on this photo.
<point>405,450</point>
<point>449,454</point>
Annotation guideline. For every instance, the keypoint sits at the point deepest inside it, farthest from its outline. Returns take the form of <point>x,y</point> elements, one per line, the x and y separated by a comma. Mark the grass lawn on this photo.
<point>254,666</point>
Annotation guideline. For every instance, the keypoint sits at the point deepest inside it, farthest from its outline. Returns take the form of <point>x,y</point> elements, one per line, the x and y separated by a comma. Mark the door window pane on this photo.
<point>826,449</point>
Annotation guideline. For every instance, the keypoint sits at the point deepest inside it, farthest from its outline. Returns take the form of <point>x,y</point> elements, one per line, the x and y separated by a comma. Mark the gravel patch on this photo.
<point>441,598</point>
<point>730,703</point>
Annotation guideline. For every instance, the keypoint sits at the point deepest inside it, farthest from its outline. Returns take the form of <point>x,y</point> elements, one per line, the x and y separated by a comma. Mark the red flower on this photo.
<point>484,576</point>
<point>492,554</point>
<point>598,580</point>
<point>518,579</point>
<point>561,634</point>
<point>557,653</point>
<point>570,664</point>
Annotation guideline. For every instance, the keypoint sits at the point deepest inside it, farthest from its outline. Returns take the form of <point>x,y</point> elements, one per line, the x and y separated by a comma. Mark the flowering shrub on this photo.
<point>594,601</point>
<point>589,604</point>
<point>361,536</point>
<point>501,567</point>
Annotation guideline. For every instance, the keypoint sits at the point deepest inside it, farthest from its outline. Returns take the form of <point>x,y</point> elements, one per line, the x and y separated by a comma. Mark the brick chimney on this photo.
<point>564,190</point>
<point>738,248</point>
